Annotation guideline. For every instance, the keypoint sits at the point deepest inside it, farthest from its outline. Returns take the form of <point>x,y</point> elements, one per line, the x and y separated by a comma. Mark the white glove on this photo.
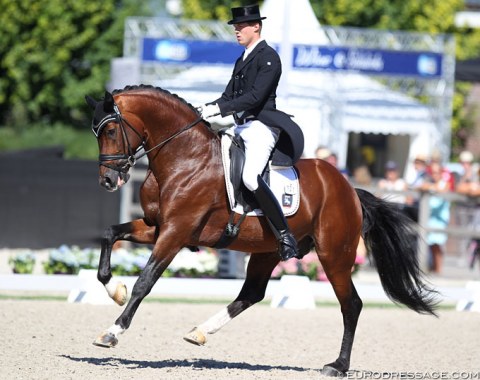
<point>209,110</point>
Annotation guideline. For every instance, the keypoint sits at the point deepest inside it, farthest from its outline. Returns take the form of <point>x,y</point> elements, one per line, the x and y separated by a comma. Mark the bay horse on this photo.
<point>185,204</point>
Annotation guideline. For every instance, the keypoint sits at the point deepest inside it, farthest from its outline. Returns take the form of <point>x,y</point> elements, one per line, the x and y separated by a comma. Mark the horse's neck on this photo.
<point>198,146</point>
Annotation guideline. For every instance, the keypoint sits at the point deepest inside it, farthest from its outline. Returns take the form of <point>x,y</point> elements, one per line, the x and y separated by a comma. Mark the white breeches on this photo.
<point>259,141</point>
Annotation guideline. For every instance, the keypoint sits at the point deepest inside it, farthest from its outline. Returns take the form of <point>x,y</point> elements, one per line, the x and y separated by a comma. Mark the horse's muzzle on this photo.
<point>112,180</point>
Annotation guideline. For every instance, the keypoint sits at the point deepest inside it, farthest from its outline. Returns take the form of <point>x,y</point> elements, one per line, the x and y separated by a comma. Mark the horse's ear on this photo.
<point>108,102</point>
<point>91,102</point>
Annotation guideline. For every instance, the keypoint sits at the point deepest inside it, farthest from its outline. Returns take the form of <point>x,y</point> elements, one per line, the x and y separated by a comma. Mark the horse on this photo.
<point>185,205</point>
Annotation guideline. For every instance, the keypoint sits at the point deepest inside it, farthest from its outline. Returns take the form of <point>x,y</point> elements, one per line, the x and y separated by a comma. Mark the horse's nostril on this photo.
<point>106,182</point>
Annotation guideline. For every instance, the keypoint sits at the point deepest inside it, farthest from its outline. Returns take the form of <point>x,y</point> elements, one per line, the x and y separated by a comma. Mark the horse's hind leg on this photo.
<point>136,231</point>
<point>259,270</point>
<point>351,306</point>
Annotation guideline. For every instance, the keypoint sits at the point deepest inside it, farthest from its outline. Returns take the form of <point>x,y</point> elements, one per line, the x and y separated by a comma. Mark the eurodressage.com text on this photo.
<point>368,375</point>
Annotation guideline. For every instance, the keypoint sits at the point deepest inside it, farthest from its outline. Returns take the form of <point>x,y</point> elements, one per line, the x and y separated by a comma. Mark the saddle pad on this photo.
<point>283,183</point>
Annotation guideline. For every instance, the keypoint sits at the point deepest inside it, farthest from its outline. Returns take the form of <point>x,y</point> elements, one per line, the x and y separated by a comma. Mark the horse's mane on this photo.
<point>156,89</point>
<point>166,93</point>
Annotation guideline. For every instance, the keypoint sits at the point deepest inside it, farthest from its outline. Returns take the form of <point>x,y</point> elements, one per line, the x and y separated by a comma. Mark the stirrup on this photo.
<point>287,246</point>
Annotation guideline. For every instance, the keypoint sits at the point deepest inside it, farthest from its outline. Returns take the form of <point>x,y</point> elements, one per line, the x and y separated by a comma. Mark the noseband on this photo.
<point>129,159</point>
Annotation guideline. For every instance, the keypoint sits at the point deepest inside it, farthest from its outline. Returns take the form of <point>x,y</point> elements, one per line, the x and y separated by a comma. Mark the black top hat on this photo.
<point>245,14</point>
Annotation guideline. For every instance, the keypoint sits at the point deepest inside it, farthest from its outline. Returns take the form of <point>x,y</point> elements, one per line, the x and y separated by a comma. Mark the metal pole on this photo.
<point>423,216</point>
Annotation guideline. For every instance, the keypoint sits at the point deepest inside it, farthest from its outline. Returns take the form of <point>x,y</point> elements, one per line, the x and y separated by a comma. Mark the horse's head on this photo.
<point>118,142</point>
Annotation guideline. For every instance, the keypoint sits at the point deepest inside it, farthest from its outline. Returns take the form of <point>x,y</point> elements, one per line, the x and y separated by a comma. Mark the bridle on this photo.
<point>128,159</point>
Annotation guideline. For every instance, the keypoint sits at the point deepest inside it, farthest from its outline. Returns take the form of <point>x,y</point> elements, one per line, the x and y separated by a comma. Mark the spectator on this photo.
<point>393,182</point>
<point>470,173</point>
<point>362,176</point>
<point>326,154</point>
<point>469,185</point>
<point>447,175</point>
<point>415,182</point>
<point>322,152</point>
<point>420,172</point>
<point>439,214</point>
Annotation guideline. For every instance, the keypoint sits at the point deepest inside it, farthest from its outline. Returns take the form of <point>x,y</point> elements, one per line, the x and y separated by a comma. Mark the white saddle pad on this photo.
<point>283,183</point>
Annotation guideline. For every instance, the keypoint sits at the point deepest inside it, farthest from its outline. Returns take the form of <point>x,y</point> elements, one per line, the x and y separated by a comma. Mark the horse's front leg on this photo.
<point>136,231</point>
<point>156,265</point>
<point>259,270</point>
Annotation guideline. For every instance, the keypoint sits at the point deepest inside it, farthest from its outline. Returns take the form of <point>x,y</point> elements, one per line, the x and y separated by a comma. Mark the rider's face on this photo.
<point>246,33</point>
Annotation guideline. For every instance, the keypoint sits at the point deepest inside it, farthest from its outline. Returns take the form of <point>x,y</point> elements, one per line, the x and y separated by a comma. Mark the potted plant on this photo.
<point>23,262</point>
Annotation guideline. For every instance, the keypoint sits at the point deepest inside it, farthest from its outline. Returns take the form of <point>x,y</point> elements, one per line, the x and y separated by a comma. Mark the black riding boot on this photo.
<point>271,209</point>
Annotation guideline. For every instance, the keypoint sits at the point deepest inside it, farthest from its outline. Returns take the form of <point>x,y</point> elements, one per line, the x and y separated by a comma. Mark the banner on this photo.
<point>338,58</point>
<point>371,61</point>
<point>190,51</point>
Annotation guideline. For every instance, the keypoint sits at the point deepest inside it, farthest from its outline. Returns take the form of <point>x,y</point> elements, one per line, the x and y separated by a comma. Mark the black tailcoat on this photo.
<point>251,93</point>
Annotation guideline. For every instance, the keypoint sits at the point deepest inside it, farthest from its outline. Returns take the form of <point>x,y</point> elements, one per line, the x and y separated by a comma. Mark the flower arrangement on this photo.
<point>203,263</point>
<point>129,263</point>
<point>66,260</point>
<point>309,266</point>
<point>23,262</point>
<point>69,260</point>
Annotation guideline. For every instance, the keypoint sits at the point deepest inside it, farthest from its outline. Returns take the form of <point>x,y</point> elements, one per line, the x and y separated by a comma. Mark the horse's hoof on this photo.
<point>107,339</point>
<point>332,372</point>
<point>120,296</point>
<point>195,336</point>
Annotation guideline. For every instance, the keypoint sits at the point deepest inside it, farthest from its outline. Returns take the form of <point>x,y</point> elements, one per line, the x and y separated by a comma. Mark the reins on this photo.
<point>158,146</point>
<point>131,158</point>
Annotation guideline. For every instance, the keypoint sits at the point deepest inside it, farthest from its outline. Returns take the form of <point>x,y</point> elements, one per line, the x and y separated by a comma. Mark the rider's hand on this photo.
<point>209,110</point>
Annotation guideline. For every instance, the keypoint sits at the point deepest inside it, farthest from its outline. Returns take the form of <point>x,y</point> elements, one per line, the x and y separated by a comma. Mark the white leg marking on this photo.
<point>215,323</point>
<point>111,288</point>
<point>115,330</point>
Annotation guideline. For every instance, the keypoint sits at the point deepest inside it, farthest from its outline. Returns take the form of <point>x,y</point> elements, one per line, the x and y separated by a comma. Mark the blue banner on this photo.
<point>338,58</point>
<point>371,61</point>
<point>190,51</point>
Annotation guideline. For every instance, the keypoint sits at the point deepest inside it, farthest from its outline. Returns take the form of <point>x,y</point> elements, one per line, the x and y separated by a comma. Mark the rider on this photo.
<point>267,132</point>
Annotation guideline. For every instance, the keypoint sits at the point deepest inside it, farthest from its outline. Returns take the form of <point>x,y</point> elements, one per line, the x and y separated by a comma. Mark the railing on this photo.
<point>467,229</point>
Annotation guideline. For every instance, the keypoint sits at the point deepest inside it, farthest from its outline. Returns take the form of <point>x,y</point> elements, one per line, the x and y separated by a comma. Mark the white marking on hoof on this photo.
<point>109,337</point>
<point>106,340</point>
<point>117,292</point>
<point>195,336</point>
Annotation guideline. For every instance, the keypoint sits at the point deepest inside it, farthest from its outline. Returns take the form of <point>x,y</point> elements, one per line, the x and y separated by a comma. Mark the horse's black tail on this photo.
<point>391,238</point>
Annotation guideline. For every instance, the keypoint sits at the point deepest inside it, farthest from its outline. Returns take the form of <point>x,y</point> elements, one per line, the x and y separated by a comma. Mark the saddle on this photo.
<point>283,182</point>
<point>242,195</point>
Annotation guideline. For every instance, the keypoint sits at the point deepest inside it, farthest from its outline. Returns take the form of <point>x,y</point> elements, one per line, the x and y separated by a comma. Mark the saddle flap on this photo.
<point>283,181</point>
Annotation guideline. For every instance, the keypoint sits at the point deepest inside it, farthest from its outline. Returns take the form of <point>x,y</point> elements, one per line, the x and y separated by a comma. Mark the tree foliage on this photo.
<point>430,16</point>
<point>211,9</point>
<point>53,52</point>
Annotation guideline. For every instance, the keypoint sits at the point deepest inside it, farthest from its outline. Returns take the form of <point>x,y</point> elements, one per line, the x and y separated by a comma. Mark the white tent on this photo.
<point>327,105</point>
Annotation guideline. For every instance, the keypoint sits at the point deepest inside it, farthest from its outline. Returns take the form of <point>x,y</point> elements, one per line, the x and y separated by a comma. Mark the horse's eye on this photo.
<point>111,133</point>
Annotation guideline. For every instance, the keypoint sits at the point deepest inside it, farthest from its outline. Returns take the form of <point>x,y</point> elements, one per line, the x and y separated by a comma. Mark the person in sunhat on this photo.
<point>267,132</point>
